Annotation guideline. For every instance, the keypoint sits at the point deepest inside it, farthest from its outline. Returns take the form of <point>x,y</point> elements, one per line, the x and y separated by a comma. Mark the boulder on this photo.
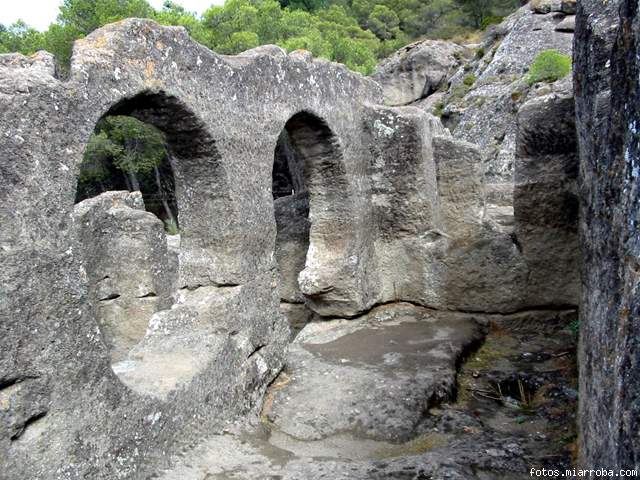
<point>418,70</point>
<point>567,24</point>
<point>547,6</point>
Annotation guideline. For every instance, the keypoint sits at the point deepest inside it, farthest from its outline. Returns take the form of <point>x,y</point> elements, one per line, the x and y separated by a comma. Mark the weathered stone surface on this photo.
<point>546,6</point>
<point>114,233</point>
<point>427,250</point>
<point>378,374</point>
<point>292,243</point>
<point>222,141</point>
<point>479,102</point>
<point>607,100</point>
<point>460,176</point>
<point>487,112</point>
<point>404,190</point>
<point>546,199</point>
<point>475,436</point>
<point>568,24</point>
<point>418,70</point>
<point>383,226</point>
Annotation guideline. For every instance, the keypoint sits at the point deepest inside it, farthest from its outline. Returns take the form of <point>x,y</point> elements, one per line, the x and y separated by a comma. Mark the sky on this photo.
<point>40,13</point>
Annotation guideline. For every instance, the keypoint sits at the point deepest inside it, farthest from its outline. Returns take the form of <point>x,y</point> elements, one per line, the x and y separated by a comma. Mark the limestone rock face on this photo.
<point>546,199</point>
<point>114,233</point>
<point>486,113</point>
<point>418,70</point>
<point>481,92</point>
<point>607,100</point>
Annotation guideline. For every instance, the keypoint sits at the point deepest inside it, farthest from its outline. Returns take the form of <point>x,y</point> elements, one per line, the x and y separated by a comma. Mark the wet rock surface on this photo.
<point>372,377</point>
<point>514,406</point>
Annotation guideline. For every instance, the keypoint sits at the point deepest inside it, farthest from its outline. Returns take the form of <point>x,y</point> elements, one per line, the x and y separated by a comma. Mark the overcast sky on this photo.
<point>40,13</point>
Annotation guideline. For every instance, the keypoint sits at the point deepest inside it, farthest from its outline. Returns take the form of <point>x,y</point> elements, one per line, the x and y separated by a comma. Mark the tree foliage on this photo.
<point>133,147</point>
<point>124,153</point>
<point>19,37</point>
<point>87,15</point>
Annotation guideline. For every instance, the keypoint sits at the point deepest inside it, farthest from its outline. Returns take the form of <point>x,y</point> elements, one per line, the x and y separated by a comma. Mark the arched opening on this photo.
<point>130,196</point>
<point>308,183</point>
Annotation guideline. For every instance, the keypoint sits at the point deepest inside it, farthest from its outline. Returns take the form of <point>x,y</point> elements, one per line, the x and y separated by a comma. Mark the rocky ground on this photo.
<point>406,392</point>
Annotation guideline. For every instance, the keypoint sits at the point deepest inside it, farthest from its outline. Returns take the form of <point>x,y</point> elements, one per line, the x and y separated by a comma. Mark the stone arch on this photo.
<point>193,152</point>
<point>127,292</point>
<point>311,192</point>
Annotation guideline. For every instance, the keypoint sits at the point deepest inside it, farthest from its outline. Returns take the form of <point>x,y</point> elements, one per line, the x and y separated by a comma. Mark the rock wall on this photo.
<point>478,89</point>
<point>418,70</point>
<point>607,99</point>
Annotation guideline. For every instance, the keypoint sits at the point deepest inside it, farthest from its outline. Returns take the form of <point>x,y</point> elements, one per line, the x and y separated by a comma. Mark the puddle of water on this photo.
<point>408,346</point>
<point>342,446</point>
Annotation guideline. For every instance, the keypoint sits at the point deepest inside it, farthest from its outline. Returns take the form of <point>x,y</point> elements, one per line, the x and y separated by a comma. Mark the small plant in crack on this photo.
<point>526,400</point>
<point>171,227</point>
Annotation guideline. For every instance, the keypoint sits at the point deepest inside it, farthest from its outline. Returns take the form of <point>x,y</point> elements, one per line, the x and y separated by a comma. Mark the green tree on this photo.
<point>87,15</point>
<point>384,22</point>
<point>241,41</point>
<point>479,11</point>
<point>124,150</point>
<point>331,32</point>
<point>307,5</point>
<point>174,14</point>
<point>19,37</point>
<point>58,40</point>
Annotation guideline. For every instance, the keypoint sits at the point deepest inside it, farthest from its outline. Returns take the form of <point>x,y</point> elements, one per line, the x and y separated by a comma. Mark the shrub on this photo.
<point>469,80</point>
<point>549,66</point>
<point>439,109</point>
<point>491,20</point>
